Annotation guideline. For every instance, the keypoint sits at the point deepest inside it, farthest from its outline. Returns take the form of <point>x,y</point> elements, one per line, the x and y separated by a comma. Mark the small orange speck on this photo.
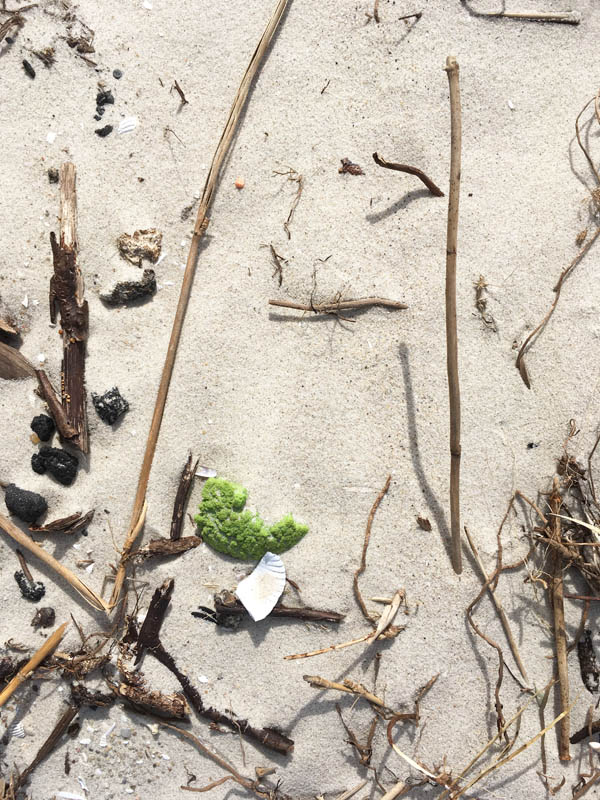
<point>240,183</point>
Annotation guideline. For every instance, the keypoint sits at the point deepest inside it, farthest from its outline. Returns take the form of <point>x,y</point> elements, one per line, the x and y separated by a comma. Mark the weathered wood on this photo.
<point>13,365</point>
<point>66,293</point>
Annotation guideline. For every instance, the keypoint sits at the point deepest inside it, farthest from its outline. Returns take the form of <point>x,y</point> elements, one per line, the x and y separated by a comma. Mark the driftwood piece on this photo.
<point>185,484</point>
<point>166,706</point>
<point>162,548</point>
<point>227,605</point>
<point>6,327</point>
<point>66,293</point>
<point>13,365</point>
<point>68,525</point>
<point>148,640</point>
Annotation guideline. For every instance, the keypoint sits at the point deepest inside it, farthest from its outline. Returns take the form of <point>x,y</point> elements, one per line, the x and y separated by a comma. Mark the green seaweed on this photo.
<point>226,527</point>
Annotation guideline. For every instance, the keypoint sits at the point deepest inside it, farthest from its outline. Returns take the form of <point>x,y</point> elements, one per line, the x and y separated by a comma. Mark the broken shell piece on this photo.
<point>127,125</point>
<point>240,183</point>
<point>17,731</point>
<point>259,592</point>
<point>206,472</point>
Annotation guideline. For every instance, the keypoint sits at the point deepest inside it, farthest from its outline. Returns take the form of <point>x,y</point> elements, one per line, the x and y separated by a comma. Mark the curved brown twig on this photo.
<point>381,162</point>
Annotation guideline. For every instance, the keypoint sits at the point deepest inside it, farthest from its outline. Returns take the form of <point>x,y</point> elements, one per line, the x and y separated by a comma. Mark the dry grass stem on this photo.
<point>25,541</point>
<point>434,190</point>
<point>35,660</point>
<point>499,608</point>
<point>560,636</point>
<point>351,687</point>
<point>339,305</point>
<point>202,221</point>
<point>351,792</point>
<point>363,559</point>
<point>451,332</point>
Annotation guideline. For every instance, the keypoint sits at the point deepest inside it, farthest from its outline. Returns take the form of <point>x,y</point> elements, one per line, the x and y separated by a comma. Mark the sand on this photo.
<point>310,414</point>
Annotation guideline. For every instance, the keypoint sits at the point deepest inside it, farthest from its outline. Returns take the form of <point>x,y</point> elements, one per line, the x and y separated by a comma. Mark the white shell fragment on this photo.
<point>206,472</point>
<point>17,731</point>
<point>127,125</point>
<point>259,592</point>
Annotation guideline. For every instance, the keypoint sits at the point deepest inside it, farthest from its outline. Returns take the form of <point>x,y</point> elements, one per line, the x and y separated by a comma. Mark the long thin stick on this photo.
<point>202,221</point>
<point>25,541</point>
<point>451,333</point>
<point>560,636</point>
<point>35,660</point>
<point>340,305</point>
<point>499,609</point>
<point>564,17</point>
<point>433,188</point>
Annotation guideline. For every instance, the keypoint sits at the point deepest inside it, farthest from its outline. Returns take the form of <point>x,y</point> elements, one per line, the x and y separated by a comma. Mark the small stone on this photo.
<point>29,69</point>
<point>9,40</point>
<point>126,292</point>
<point>125,733</point>
<point>100,110</point>
<point>60,464</point>
<point>102,132</point>
<point>25,505</point>
<point>31,590</point>
<point>110,406</point>
<point>104,97</point>
<point>44,426</point>
<point>44,618</point>
<point>118,74</point>
<point>53,175</point>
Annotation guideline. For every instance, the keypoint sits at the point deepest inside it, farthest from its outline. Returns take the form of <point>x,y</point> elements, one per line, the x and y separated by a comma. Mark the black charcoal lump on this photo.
<point>31,590</point>
<point>25,505</point>
<point>60,464</point>
<point>44,426</point>
<point>110,406</point>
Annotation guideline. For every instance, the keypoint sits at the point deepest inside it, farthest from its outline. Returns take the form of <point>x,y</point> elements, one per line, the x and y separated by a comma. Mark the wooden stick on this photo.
<point>499,609</point>
<point>66,291</point>
<point>226,604</point>
<point>27,542</point>
<point>435,190</point>
<point>341,305</point>
<point>363,559</point>
<point>35,660</point>
<point>560,636</point>
<point>564,17</point>
<point>451,333</point>
<point>185,484</point>
<point>202,221</point>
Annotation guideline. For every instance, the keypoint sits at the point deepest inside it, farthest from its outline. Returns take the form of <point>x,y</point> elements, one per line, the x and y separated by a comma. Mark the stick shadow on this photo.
<point>399,205</point>
<point>433,504</point>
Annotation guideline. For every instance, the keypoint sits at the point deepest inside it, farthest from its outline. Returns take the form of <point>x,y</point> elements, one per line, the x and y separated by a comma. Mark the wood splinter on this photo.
<point>66,292</point>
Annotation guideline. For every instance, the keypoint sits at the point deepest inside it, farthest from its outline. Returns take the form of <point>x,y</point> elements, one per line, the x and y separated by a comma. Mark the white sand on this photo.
<point>309,414</point>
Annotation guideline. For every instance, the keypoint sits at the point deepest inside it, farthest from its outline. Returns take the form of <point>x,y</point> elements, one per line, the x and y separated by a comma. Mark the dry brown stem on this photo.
<point>351,687</point>
<point>520,363</point>
<point>451,332</point>
<point>339,305</point>
<point>183,491</point>
<point>363,559</point>
<point>202,221</point>
<point>558,610</point>
<point>35,660</point>
<point>381,162</point>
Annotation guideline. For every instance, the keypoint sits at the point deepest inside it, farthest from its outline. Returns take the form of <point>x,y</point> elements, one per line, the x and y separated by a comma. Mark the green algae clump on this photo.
<point>226,527</point>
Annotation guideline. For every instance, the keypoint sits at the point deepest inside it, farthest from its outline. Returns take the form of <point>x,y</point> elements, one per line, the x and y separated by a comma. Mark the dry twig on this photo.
<point>451,333</point>
<point>35,660</point>
<point>435,190</point>
<point>363,559</point>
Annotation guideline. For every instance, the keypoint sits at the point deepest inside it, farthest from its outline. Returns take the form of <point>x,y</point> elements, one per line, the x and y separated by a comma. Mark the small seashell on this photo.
<point>25,302</point>
<point>51,137</point>
<point>510,104</point>
<point>240,183</point>
<point>17,731</point>
<point>104,738</point>
<point>127,125</point>
<point>259,592</point>
<point>206,472</point>
<point>595,746</point>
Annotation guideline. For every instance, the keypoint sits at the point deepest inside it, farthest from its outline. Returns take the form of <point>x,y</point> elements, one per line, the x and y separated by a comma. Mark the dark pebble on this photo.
<point>110,406</point>
<point>44,426</point>
<point>9,40</point>
<point>97,118</point>
<point>100,110</point>
<point>29,69</point>
<point>104,98</point>
<point>117,73</point>
<point>126,292</point>
<point>60,464</point>
<point>44,618</point>
<point>31,590</point>
<point>25,505</point>
<point>104,131</point>
<point>53,175</point>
